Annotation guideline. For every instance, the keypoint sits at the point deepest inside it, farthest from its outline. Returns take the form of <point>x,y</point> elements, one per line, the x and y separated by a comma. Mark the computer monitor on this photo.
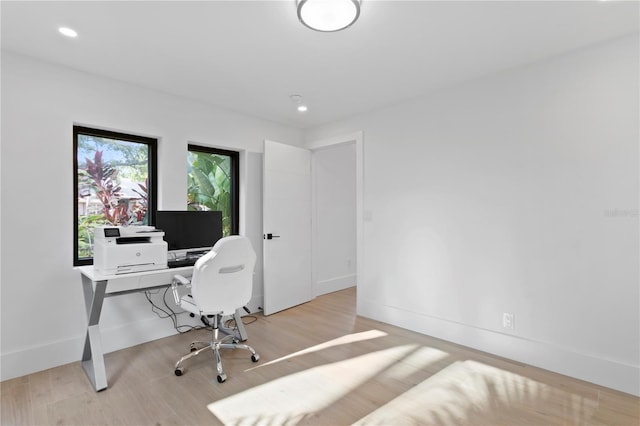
<point>189,231</point>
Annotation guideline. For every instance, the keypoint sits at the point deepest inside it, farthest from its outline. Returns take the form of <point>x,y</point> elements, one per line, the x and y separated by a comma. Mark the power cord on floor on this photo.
<point>250,319</point>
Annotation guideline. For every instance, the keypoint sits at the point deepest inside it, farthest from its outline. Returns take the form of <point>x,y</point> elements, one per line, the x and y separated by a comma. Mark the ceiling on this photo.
<point>250,56</point>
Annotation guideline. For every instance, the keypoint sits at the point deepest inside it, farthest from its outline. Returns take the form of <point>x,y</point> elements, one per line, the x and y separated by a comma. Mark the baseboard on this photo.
<point>53,354</point>
<point>255,304</point>
<point>32,359</point>
<point>604,372</point>
<point>334,284</point>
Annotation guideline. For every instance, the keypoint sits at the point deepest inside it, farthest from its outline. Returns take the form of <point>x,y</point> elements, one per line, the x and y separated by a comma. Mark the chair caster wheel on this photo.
<point>193,348</point>
<point>222,378</point>
<point>178,371</point>
<point>255,358</point>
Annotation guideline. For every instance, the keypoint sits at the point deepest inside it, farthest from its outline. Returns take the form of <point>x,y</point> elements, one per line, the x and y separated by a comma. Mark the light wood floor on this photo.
<point>321,365</point>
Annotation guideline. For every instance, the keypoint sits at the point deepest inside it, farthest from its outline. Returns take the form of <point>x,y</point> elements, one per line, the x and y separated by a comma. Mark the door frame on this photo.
<point>356,138</point>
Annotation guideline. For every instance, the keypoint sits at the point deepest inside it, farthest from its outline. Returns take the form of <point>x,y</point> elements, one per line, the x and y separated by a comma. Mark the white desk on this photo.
<point>96,287</point>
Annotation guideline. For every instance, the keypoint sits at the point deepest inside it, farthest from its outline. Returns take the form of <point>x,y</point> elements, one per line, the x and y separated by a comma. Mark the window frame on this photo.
<point>235,180</point>
<point>152,189</point>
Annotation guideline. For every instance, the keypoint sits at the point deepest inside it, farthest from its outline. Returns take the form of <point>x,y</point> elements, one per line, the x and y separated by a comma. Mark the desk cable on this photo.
<point>168,312</point>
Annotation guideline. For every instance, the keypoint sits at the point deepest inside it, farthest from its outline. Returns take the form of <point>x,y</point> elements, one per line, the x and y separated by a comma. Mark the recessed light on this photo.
<point>297,99</point>
<point>68,32</point>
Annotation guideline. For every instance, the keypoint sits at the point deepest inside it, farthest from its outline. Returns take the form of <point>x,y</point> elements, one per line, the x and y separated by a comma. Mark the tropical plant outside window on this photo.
<point>114,181</point>
<point>213,184</point>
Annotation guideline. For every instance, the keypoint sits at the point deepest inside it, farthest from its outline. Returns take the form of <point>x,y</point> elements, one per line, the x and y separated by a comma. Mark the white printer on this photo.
<point>123,249</point>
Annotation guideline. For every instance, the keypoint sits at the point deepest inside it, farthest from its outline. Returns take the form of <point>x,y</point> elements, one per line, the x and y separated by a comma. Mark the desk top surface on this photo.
<point>91,273</point>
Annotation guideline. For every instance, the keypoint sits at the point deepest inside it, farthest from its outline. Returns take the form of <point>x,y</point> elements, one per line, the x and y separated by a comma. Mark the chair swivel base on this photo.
<point>215,347</point>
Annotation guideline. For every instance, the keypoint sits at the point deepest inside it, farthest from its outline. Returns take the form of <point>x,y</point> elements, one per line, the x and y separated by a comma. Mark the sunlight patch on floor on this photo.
<point>344,340</point>
<point>470,392</point>
<point>423,358</point>
<point>291,398</point>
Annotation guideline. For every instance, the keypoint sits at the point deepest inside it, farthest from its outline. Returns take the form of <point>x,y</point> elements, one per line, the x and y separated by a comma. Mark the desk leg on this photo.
<point>238,318</point>
<point>92,355</point>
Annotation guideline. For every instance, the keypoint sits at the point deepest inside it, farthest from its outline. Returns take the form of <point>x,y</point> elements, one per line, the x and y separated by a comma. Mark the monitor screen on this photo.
<point>189,230</point>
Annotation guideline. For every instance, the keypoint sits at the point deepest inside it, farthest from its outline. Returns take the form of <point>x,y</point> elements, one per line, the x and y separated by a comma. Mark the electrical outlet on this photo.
<point>508,321</point>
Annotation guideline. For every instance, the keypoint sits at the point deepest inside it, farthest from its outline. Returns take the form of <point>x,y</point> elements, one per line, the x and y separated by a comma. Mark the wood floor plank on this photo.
<point>16,404</point>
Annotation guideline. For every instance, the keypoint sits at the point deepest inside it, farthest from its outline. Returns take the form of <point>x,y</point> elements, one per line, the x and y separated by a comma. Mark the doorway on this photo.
<point>287,182</point>
<point>336,165</point>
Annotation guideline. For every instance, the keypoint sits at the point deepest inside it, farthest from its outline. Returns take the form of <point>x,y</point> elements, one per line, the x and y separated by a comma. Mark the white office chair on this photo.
<point>222,282</point>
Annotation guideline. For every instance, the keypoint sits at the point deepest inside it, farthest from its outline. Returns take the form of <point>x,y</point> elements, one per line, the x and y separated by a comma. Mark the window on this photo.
<point>213,184</point>
<point>114,184</point>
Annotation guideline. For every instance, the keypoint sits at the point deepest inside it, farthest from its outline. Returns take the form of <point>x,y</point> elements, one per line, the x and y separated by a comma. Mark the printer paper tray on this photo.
<point>127,269</point>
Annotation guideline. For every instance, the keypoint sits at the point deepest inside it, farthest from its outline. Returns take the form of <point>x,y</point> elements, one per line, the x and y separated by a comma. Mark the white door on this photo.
<point>286,226</point>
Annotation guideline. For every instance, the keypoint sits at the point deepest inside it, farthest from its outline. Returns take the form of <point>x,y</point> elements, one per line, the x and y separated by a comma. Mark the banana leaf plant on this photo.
<point>209,185</point>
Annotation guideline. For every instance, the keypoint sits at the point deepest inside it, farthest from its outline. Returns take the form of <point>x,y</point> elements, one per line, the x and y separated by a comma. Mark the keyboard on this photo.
<point>189,260</point>
<point>182,262</point>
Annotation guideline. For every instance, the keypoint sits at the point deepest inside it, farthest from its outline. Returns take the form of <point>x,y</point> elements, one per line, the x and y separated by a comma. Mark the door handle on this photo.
<point>271,236</point>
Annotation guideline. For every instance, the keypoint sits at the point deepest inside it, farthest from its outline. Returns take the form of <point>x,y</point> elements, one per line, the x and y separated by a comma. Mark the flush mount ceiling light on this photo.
<point>328,15</point>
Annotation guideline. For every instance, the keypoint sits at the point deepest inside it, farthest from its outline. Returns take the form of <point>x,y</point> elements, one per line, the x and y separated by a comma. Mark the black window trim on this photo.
<point>235,180</point>
<point>153,176</point>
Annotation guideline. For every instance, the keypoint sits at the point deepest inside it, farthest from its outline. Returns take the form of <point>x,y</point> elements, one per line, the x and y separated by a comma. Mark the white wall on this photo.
<point>334,218</point>
<point>518,193</point>
<point>514,193</point>
<point>43,318</point>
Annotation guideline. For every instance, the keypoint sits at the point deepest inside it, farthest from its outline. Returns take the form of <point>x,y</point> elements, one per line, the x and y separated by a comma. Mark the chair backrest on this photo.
<point>222,279</point>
